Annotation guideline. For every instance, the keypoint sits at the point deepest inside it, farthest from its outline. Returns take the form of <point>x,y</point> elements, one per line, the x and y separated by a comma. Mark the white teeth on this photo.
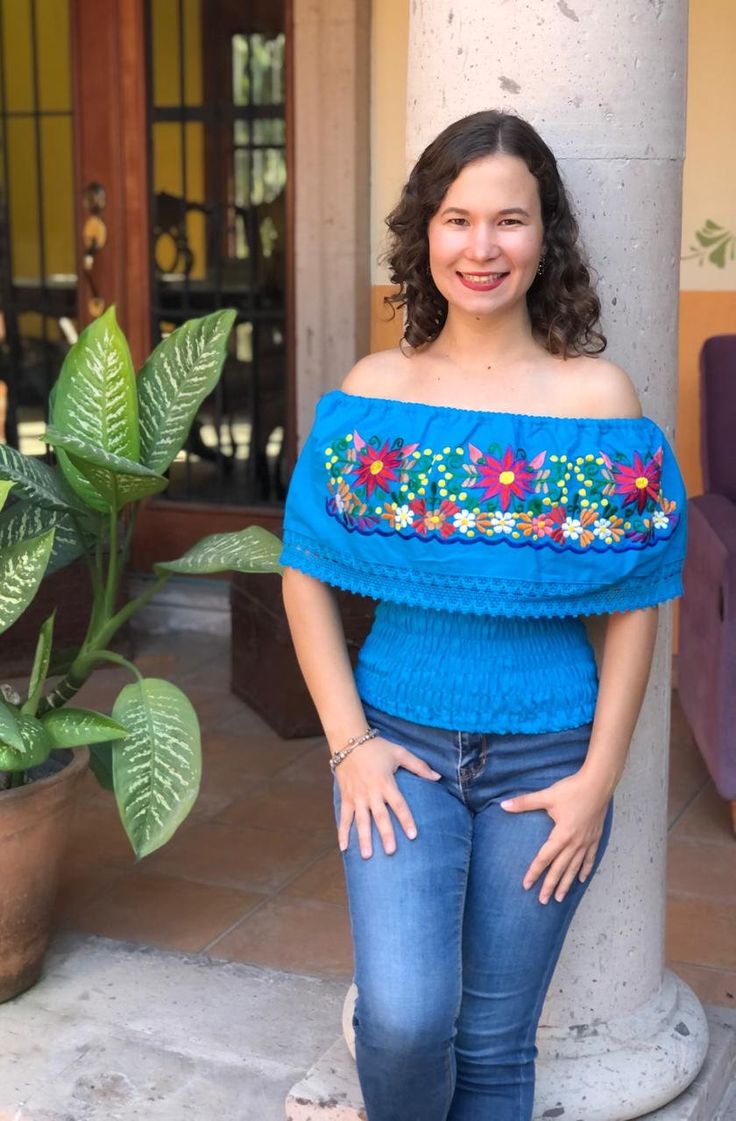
<point>479,278</point>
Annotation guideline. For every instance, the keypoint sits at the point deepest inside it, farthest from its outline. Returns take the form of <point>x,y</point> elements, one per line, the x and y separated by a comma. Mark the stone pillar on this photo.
<point>604,84</point>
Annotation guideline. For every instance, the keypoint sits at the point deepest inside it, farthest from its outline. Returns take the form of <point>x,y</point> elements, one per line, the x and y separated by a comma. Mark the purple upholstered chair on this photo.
<point>706,669</point>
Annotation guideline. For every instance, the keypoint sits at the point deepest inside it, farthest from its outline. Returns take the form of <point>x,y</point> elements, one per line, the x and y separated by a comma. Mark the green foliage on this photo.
<point>113,436</point>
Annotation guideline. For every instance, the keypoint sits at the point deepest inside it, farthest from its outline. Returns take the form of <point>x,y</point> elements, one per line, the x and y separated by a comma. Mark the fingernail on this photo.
<point>505,805</point>
<point>390,851</point>
<point>436,774</point>
<point>412,834</point>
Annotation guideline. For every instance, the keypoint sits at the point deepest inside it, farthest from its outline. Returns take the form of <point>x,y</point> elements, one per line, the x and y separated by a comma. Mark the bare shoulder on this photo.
<point>376,375</point>
<point>606,390</point>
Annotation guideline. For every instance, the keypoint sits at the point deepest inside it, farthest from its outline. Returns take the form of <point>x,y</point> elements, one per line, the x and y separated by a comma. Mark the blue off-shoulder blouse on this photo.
<point>485,536</point>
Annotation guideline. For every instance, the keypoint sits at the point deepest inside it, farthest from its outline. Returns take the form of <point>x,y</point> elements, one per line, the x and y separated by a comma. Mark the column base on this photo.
<point>617,1070</point>
<point>613,1075</point>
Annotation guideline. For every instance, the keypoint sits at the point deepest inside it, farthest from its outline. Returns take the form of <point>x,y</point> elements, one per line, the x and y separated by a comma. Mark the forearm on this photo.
<point>319,641</point>
<point>625,668</point>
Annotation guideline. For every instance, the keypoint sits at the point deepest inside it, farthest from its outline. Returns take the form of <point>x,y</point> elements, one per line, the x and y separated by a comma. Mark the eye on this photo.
<point>516,220</point>
<point>451,220</point>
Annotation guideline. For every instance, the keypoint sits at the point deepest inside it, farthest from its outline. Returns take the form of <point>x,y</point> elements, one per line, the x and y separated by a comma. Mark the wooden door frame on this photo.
<point>109,103</point>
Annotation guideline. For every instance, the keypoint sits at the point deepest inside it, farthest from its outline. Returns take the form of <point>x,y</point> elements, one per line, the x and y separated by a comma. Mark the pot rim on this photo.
<point>78,761</point>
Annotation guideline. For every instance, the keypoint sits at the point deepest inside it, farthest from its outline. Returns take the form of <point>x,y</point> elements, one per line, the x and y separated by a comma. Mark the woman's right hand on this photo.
<point>367,787</point>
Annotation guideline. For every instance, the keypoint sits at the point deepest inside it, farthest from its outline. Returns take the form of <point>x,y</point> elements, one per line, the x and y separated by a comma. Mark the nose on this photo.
<point>482,242</point>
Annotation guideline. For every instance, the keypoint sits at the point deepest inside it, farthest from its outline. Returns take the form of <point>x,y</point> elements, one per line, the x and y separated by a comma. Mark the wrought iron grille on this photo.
<point>38,282</point>
<point>217,159</point>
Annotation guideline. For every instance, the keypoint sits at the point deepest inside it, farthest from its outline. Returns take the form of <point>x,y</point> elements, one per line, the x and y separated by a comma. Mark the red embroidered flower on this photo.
<point>638,483</point>
<point>505,477</point>
<point>434,521</point>
<point>377,468</point>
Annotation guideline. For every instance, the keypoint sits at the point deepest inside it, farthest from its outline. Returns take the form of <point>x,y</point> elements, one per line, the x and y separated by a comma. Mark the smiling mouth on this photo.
<point>482,277</point>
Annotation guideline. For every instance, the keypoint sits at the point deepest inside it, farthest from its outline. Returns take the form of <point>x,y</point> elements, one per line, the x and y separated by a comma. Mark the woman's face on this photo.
<point>486,238</point>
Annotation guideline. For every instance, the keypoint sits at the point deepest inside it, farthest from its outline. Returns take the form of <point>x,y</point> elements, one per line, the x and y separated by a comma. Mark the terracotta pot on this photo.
<point>34,822</point>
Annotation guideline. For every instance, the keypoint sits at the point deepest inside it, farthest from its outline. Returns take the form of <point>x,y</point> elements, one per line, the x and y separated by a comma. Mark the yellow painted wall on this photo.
<point>708,272</point>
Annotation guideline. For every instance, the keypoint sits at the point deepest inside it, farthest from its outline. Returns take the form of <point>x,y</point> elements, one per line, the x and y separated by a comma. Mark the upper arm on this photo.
<point>610,391</point>
<point>368,376</point>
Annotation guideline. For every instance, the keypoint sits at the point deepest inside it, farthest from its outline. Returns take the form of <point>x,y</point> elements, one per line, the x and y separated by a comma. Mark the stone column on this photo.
<point>604,84</point>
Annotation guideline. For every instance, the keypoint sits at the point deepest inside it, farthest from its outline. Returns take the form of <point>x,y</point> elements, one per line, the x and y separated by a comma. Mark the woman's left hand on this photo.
<point>578,808</point>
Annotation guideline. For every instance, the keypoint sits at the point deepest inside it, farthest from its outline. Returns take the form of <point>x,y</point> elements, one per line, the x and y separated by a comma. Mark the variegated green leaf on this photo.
<point>40,664</point>
<point>21,570</point>
<point>249,550</point>
<point>95,399</point>
<point>5,485</point>
<point>35,480</point>
<point>9,726</point>
<point>157,767</point>
<point>36,748</point>
<point>26,519</point>
<point>100,763</point>
<point>174,381</point>
<point>115,479</point>
<point>79,727</point>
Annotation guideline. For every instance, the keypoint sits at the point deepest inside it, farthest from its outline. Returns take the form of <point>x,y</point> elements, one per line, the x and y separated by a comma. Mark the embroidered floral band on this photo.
<point>466,494</point>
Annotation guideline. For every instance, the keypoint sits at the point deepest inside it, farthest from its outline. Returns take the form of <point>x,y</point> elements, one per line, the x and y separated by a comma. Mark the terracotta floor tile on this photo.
<point>97,837</point>
<point>165,911</point>
<point>701,932</point>
<point>711,985</point>
<point>324,880</point>
<point>78,887</point>
<point>708,818</point>
<point>701,869</point>
<point>313,766</point>
<point>249,859</point>
<point>300,935</point>
<point>305,806</point>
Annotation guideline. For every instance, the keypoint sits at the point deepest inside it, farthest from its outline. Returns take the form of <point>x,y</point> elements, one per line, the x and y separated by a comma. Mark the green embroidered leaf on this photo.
<point>95,399</point>
<point>9,726</point>
<point>40,663</point>
<point>22,567</point>
<point>36,746</point>
<point>183,369</point>
<point>79,727</point>
<point>718,256</point>
<point>117,480</point>
<point>157,767</point>
<point>5,486</point>
<point>250,550</point>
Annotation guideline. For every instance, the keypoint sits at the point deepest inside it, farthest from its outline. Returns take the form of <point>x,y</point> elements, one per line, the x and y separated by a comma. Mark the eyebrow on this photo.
<point>508,210</point>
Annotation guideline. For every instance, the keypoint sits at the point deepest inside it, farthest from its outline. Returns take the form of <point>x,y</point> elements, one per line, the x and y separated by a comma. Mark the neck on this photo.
<point>484,342</point>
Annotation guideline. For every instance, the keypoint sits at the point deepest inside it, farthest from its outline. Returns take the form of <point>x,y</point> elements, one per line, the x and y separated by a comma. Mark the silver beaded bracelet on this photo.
<point>353,742</point>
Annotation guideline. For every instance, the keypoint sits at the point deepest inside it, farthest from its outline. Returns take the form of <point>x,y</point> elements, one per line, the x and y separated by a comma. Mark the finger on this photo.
<point>569,875</point>
<point>363,825</point>
<point>384,827</point>
<point>588,862</point>
<point>556,870</point>
<point>548,852</point>
<point>536,800</point>
<point>416,765</point>
<point>343,832</point>
<point>397,802</point>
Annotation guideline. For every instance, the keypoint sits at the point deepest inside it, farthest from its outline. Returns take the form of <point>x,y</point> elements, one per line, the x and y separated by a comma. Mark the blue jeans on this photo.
<point>453,957</point>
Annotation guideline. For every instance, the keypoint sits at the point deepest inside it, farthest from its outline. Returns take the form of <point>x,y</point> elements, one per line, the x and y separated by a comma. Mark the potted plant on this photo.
<point>114,436</point>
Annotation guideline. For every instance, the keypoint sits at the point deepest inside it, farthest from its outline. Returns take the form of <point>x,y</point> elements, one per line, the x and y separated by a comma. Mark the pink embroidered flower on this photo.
<point>504,477</point>
<point>640,482</point>
<point>377,467</point>
<point>535,525</point>
<point>434,521</point>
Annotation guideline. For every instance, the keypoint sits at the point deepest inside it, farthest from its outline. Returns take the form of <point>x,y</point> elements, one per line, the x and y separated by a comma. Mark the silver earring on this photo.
<point>540,266</point>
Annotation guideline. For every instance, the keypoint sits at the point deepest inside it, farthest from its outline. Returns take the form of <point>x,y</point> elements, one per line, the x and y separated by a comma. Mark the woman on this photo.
<point>490,483</point>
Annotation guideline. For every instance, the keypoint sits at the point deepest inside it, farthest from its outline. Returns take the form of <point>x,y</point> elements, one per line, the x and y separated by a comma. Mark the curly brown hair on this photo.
<point>563,307</point>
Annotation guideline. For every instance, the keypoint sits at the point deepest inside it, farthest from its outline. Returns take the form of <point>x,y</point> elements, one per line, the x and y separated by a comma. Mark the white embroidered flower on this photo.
<point>660,519</point>
<point>464,520</point>
<point>572,528</point>
<point>403,516</point>
<point>602,527</point>
<point>339,503</point>
<point>502,523</point>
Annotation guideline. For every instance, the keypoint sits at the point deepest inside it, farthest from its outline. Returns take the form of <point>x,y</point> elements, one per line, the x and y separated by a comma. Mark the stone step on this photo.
<point>330,1091</point>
